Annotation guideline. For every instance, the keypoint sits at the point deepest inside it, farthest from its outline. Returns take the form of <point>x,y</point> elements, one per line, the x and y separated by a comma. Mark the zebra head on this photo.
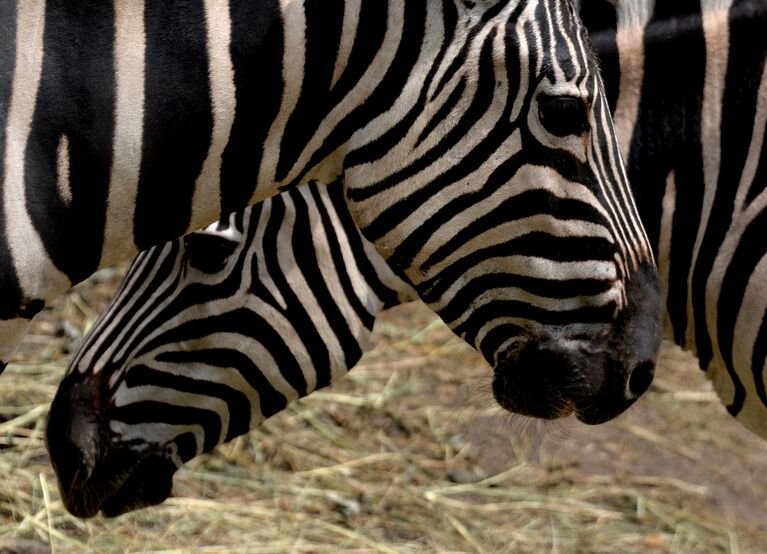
<point>209,335</point>
<point>513,218</point>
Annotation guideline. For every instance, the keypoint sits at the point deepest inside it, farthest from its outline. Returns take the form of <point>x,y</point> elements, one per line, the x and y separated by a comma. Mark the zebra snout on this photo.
<point>553,378</point>
<point>74,440</point>
<point>98,472</point>
<point>636,339</point>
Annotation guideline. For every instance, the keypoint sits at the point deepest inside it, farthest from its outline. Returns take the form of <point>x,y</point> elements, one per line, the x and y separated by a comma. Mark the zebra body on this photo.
<point>689,89</point>
<point>474,145</point>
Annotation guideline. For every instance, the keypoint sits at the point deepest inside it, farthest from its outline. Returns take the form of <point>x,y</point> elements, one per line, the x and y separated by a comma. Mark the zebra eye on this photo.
<point>563,115</point>
<point>208,253</point>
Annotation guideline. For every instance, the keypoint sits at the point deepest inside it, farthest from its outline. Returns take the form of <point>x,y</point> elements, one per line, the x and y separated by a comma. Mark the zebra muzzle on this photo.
<point>96,473</point>
<point>595,378</point>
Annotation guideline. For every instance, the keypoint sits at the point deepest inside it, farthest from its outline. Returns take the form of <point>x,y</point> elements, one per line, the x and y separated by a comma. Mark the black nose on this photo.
<point>640,379</point>
<point>3,365</point>
<point>75,440</point>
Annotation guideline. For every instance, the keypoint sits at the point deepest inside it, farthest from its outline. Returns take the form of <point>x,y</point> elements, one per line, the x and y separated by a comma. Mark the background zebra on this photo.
<point>688,88</point>
<point>163,350</point>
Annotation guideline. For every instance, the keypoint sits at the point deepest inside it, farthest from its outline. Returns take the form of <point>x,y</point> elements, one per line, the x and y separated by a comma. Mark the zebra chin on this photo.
<point>596,379</point>
<point>96,474</point>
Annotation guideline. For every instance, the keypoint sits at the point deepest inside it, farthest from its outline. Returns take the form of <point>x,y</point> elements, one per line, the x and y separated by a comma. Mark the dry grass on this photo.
<point>409,454</point>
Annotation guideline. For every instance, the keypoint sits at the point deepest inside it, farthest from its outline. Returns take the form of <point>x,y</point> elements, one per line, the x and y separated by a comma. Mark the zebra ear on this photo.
<point>208,253</point>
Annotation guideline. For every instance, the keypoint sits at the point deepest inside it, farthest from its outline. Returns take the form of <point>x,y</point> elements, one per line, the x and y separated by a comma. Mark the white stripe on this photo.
<point>348,35</point>
<point>62,170</point>
<point>37,275</point>
<point>158,433</point>
<point>129,53</point>
<point>754,153</point>
<point>293,60</point>
<point>633,13</point>
<point>717,35</point>
<point>668,207</point>
<point>206,203</point>
<point>630,44</point>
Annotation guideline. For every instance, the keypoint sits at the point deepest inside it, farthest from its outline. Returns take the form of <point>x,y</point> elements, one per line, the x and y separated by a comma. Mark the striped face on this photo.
<point>209,335</point>
<point>513,218</point>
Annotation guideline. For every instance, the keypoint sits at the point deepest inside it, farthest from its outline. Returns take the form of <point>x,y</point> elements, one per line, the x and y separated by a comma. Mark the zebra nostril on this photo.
<point>3,365</point>
<point>72,469</point>
<point>640,379</point>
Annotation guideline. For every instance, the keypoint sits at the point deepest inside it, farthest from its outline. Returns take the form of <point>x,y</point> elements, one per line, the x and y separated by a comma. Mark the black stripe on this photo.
<point>332,233</point>
<point>534,202</point>
<point>323,34</point>
<point>668,11</point>
<point>76,90</point>
<point>499,334</point>
<point>391,83</point>
<point>308,265</point>
<point>166,280</point>
<point>606,48</point>
<point>673,54</point>
<point>239,322</point>
<point>149,411</point>
<point>479,105</point>
<point>365,264</point>
<point>256,44</point>
<point>178,119</point>
<point>293,309</point>
<point>739,271</point>
<point>500,309</point>
<point>759,359</point>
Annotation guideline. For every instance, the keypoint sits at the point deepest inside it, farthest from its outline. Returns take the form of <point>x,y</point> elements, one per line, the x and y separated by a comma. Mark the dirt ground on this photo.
<point>409,454</point>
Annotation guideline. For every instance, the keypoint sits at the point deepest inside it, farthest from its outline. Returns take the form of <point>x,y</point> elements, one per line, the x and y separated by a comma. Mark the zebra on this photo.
<point>472,138</point>
<point>473,141</point>
<point>687,84</point>
<point>118,343</point>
